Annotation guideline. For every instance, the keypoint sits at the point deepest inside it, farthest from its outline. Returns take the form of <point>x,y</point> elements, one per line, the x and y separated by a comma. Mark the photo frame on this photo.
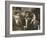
<point>24,18</point>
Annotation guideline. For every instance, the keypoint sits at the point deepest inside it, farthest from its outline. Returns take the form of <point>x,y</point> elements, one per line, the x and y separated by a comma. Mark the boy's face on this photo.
<point>27,14</point>
<point>23,13</point>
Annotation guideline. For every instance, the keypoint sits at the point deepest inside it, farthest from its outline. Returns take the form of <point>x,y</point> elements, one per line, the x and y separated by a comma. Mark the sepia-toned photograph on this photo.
<point>25,18</point>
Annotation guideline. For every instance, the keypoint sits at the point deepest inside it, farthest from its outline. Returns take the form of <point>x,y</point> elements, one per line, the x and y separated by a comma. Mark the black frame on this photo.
<point>7,14</point>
